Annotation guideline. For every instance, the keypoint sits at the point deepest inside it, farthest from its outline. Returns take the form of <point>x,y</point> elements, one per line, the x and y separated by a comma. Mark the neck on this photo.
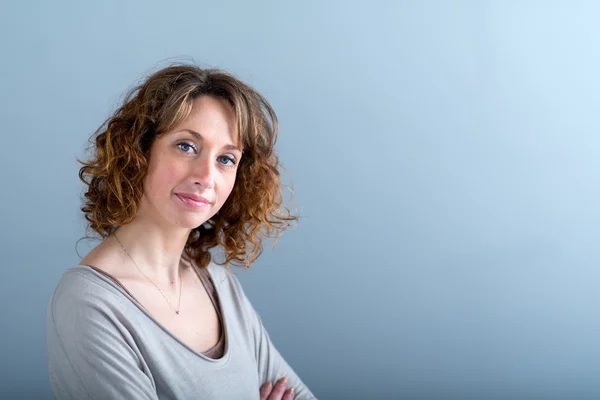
<point>154,249</point>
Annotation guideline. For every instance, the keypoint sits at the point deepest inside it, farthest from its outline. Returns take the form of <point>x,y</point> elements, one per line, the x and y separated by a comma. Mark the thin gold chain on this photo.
<point>155,285</point>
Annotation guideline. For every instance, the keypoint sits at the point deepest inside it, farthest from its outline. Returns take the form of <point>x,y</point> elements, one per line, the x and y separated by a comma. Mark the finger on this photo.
<point>265,390</point>
<point>278,389</point>
<point>289,394</point>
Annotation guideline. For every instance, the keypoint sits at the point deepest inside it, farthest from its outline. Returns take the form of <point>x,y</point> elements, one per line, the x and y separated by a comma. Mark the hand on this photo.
<point>277,392</point>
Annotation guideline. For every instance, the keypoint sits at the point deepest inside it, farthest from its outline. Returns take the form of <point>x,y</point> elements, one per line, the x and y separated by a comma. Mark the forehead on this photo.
<point>210,118</point>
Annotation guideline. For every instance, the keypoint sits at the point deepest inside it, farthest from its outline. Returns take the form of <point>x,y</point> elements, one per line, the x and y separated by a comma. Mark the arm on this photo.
<point>271,365</point>
<point>90,355</point>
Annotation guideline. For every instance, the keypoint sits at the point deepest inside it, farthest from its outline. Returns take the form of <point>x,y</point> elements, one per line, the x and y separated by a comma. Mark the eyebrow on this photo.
<point>201,138</point>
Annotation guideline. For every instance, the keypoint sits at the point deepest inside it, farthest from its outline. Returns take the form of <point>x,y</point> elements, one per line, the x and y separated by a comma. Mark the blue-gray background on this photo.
<point>445,160</point>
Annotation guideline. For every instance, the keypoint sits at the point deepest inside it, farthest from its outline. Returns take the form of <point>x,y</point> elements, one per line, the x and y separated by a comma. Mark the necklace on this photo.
<point>155,285</point>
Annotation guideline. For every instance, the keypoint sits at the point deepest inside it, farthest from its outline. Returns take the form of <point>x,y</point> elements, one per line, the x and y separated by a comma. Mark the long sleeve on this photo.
<point>271,365</point>
<point>89,355</point>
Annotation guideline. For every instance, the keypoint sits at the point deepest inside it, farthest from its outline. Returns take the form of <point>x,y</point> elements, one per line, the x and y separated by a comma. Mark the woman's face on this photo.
<point>192,168</point>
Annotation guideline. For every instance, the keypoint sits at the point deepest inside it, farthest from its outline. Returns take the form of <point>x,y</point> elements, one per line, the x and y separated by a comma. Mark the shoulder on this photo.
<point>106,257</point>
<point>224,278</point>
<point>81,293</point>
<point>82,282</point>
<point>87,333</point>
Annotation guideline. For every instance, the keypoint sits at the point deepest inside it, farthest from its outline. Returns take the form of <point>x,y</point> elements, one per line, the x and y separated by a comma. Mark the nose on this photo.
<point>204,172</point>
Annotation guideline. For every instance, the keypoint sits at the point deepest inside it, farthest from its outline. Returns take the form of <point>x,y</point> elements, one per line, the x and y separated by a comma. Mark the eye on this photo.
<point>228,161</point>
<point>186,147</point>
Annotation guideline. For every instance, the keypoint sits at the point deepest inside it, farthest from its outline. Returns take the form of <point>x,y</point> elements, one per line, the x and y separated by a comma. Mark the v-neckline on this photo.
<point>106,276</point>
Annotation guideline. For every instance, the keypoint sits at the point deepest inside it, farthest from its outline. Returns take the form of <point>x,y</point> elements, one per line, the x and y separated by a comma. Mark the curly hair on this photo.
<point>115,173</point>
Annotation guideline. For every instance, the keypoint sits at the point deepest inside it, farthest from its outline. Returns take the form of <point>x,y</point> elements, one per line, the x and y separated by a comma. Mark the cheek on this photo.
<point>170,174</point>
<point>226,188</point>
<point>160,182</point>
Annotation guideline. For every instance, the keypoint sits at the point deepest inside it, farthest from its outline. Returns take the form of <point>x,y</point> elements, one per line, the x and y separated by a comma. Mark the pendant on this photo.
<point>177,312</point>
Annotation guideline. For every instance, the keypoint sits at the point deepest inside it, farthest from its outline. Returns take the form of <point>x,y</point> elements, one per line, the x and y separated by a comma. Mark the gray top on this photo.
<point>103,344</point>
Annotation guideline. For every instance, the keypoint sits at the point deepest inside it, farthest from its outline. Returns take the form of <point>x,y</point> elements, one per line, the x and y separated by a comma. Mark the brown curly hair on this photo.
<point>120,148</point>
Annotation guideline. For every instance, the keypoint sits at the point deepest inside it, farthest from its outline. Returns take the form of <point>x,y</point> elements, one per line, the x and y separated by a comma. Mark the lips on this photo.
<point>193,200</point>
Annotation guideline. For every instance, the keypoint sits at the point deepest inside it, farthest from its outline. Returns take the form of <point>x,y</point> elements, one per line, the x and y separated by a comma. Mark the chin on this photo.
<point>197,222</point>
<point>189,220</point>
<point>189,225</point>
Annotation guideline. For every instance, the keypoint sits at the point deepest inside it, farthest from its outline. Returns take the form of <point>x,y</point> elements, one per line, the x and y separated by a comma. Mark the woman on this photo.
<point>185,167</point>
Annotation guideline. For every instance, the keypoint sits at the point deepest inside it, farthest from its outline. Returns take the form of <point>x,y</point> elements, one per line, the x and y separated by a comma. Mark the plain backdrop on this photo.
<point>445,162</point>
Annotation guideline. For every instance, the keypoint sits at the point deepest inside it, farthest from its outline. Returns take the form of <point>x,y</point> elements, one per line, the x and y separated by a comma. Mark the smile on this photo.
<point>196,203</point>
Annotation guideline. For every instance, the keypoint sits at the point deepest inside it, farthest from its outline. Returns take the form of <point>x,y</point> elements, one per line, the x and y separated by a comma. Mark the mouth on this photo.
<point>193,201</point>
